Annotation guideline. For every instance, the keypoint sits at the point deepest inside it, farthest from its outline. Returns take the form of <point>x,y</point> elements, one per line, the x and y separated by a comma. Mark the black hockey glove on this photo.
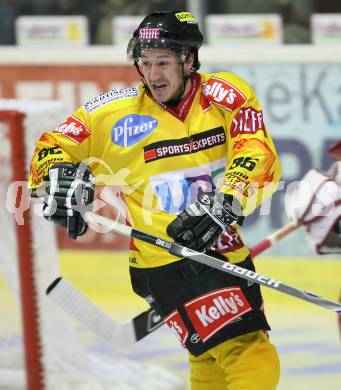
<point>199,226</point>
<point>69,192</point>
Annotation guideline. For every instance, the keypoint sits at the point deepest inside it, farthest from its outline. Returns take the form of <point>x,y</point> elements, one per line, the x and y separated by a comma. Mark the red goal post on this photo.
<point>14,162</point>
<point>13,121</point>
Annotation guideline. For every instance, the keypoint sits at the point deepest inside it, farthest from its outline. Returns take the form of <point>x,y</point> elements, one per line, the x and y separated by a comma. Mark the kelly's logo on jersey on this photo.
<point>73,129</point>
<point>132,128</point>
<point>170,148</point>
<point>221,93</point>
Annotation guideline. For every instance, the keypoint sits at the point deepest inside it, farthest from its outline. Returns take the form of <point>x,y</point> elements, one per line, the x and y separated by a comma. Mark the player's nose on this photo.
<point>155,72</point>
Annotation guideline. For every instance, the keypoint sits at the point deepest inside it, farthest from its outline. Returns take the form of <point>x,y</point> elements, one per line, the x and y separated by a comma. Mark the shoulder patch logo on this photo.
<point>132,128</point>
<point>222,93</point>
<point>111,96</point>
<point>74,129</point>
<point>248,120</point>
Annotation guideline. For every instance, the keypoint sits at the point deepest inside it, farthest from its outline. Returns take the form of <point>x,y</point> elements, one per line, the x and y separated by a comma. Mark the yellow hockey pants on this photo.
<point>247,362</point>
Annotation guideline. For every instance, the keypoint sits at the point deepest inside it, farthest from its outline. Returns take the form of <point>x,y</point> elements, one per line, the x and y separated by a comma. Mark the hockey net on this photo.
<point>40,346</point>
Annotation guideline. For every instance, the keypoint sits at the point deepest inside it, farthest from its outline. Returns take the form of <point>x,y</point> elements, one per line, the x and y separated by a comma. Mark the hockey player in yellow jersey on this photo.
<point>190,153</point>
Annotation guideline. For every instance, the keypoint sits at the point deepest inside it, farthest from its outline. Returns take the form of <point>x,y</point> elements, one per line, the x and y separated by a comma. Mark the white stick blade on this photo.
<point>69,298</point>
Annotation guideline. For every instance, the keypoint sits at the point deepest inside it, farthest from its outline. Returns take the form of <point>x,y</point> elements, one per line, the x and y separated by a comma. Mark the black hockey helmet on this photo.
<point>174,30</point>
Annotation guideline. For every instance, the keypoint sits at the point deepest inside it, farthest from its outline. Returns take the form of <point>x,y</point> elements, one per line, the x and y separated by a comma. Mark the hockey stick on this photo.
<point>86,312</point>
<point>78,306</point>
<point>81,308</point>
<point>232,269</point>
<point>273,238</point>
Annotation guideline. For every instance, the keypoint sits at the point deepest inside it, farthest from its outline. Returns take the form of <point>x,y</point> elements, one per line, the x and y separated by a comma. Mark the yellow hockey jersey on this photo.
<point>161,158</point>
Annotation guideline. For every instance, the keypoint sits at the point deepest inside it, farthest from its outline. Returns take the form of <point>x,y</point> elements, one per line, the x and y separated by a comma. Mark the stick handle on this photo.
<point>233,269</point>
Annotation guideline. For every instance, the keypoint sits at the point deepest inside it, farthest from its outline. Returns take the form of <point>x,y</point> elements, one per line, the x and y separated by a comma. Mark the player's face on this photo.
<point>163,75</point>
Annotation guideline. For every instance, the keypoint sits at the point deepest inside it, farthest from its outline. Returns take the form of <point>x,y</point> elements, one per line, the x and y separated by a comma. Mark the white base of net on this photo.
<point>89,372</point>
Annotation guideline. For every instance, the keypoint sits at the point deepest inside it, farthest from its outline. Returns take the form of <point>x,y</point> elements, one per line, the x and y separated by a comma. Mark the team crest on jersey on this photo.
<point>111,96</point>
<point>132,128</point>
<point>221,93</point>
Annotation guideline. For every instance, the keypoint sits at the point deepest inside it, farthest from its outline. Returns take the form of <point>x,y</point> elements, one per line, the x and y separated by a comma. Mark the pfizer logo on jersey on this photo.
<point>132,128</point>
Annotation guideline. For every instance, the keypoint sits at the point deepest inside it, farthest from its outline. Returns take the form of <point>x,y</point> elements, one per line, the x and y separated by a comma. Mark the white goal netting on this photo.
<point>66,362</point>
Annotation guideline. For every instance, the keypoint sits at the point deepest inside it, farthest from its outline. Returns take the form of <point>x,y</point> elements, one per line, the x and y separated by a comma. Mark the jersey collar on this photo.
<point>182,109</point>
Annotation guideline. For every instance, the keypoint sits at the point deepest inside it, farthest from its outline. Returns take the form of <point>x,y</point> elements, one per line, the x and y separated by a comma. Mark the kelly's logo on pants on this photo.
<point>212,311</point>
